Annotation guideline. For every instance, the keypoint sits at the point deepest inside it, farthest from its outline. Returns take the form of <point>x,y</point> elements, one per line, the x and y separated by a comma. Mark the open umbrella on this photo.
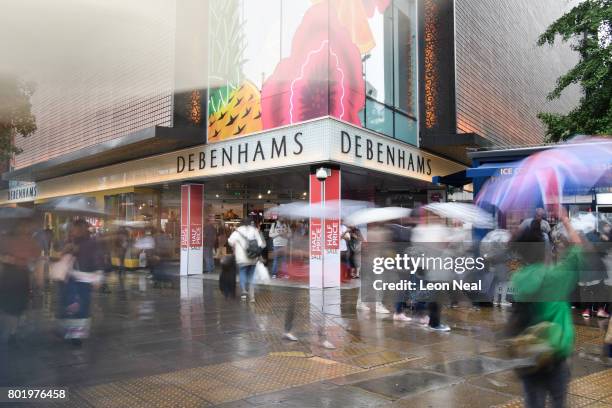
<point>302,210</point>
<point>544,178</point>
<point>464,212</point>
<point>77,206</point>
<point>381,214</point>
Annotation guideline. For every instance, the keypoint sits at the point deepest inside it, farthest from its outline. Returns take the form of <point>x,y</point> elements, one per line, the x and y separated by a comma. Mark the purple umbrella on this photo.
<point>542,179</point>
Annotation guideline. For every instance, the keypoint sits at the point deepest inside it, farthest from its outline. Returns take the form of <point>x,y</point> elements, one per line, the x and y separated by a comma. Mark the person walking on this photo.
<point>18,253</point>
<point>87,271</point>
<point>542,292</point>
<point>248,245</point>
<point>122,242</point>
<point>210,243</point>
<point>280,232</point>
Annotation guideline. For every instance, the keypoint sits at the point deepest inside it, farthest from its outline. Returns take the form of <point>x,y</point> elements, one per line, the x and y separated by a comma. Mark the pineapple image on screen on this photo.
<point>234,103</point>
<point>240,116</point>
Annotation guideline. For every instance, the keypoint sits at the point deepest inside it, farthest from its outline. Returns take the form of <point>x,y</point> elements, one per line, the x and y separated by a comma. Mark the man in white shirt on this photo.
<point>280,234</point>
<point>245,240</point>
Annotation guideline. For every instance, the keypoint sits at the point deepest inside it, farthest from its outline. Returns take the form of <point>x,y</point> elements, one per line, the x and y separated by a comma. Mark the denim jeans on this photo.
<point>553,381</point>
<point>279,259</point>
<point>246,273</point>
<point>209,260</point>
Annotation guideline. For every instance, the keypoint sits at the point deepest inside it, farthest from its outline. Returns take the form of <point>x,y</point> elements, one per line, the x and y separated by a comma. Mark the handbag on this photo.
<point>261,273</point>
<point>59,271</point>
<point>530,350</point>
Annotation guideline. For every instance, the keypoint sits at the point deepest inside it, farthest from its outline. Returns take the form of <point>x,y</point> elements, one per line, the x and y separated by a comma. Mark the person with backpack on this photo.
<point>248,246</point>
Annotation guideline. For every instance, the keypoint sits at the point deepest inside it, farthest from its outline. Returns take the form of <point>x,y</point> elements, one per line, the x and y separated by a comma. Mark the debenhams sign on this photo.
<point>22,192</point>
<point>242,153</point>
<point>353,148</point>
<point>323,140</point>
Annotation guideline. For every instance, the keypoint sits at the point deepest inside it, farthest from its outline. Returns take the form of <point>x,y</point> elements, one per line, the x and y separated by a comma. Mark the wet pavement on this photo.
<point>185,345</point>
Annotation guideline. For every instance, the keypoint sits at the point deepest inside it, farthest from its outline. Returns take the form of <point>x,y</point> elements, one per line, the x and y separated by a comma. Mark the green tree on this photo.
<point>15,114</point>
<point>589,27</point>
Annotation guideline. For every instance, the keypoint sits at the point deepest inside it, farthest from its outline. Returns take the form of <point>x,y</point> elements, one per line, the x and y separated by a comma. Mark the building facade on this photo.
<point>238,103</point>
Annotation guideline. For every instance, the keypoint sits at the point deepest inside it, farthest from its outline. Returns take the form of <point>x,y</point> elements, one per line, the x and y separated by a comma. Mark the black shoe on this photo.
<point>76,342</point>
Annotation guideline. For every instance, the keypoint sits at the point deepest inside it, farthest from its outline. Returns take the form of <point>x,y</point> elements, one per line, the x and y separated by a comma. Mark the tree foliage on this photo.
<point>589,27</point>
<point>16,117</point>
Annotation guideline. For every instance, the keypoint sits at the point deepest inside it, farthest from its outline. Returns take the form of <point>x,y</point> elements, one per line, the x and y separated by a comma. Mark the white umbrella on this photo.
<point>131,224</point>
<point>302,210</point>
<point>464,212</point>
<point>382,214</point>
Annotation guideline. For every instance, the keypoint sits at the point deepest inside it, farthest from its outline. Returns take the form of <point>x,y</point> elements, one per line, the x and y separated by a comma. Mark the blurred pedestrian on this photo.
<point>248,245</point>
<point>542,292</point>
<point>227,277</point>
<point>354,240</point>
<point>377,234</point>
<point>280,232</point>
<point>87,271</point>
<point>593,274</point>
<point>19,252</point>
<point>210,244</point>
<point>159,259</point>
<point>122,242</point>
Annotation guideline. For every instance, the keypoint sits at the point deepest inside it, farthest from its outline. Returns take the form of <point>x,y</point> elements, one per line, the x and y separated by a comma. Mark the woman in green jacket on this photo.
<point>542,292</point>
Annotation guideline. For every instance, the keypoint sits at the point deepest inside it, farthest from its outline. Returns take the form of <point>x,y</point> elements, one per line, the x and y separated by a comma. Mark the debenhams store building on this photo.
<point>364,95</point>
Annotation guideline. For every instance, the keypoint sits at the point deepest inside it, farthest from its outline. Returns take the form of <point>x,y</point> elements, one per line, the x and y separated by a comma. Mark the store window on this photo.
<point>274,63</point>
<point>390,72</point>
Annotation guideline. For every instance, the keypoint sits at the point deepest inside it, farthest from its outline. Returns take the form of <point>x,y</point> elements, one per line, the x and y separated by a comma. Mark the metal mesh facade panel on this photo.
<point>503,77</point>
<point>120,87</point>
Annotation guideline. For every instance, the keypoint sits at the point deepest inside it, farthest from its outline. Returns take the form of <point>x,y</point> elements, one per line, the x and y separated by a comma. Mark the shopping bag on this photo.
<point>59,271</point>
<point>261,273</point>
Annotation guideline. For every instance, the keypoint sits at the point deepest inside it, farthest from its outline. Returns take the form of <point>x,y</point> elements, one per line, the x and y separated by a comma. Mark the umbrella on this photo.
<point>131,224</point>
<point>382,214</point>
<point>466,213</point>
<point>543,178</point>
<point>302,210</point>
<point>72,206</point>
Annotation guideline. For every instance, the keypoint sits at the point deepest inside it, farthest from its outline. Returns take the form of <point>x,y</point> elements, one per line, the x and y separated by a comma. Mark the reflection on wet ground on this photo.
<point>188,346</point>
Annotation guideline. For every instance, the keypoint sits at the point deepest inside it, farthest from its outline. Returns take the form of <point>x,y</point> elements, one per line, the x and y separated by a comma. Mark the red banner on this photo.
<point>195,216</point>
<point>184,216</point>
<point>332,225</point>
<point>316,249</point>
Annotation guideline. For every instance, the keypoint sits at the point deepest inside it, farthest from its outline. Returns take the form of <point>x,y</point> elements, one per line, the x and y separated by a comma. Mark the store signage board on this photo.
<point>21,192</point>
<point>316,141</point>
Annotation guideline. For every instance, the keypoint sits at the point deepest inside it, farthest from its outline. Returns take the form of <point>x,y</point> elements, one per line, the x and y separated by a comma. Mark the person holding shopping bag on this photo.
<point>248,246</point>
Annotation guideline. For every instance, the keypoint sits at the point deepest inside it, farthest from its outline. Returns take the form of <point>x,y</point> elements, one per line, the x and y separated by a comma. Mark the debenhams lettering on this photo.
<point>241,153</point>
<point>23,192</point>
<point>364,147</point>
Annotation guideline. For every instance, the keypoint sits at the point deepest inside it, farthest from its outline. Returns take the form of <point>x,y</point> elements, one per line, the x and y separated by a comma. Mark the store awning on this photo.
<point>492,169</point>
<point>458,179</point>
<point>143,143</point>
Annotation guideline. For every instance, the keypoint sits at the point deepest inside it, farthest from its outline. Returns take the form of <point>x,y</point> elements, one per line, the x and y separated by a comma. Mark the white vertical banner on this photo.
<point>192,215</point>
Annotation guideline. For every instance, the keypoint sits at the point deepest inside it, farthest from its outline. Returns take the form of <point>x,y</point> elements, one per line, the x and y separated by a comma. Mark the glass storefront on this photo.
<point>353,60</point>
